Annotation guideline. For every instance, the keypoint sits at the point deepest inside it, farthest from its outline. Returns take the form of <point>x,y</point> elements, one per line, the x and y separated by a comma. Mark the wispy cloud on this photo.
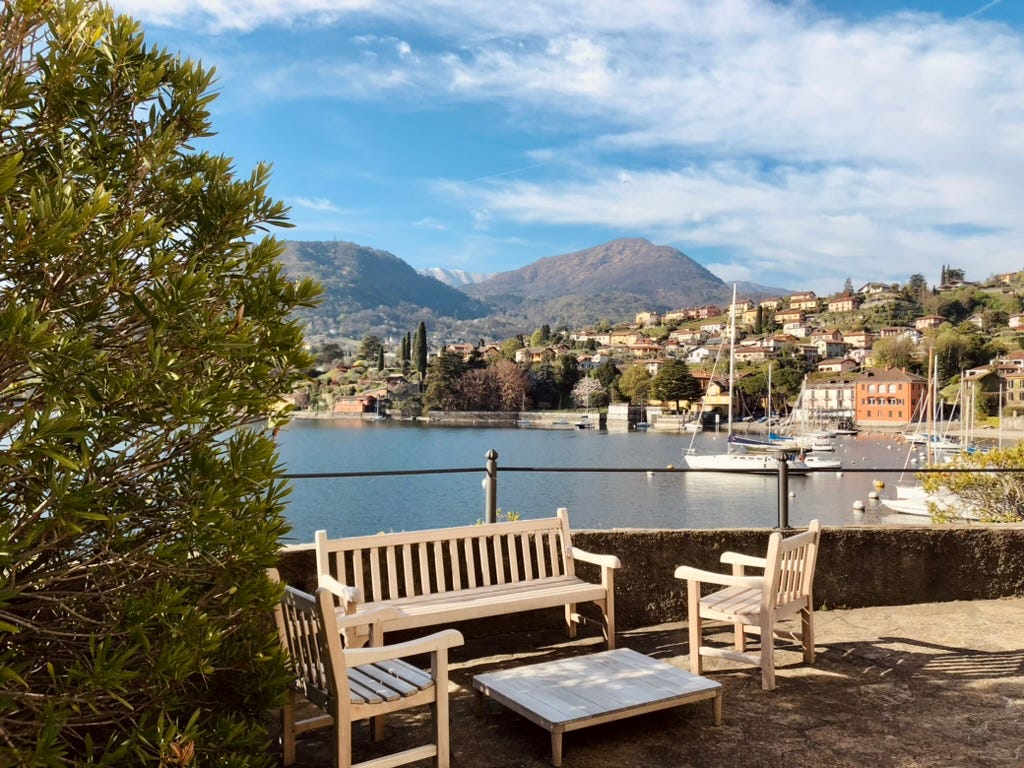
<point>319,204</point>
<point>982,9</point>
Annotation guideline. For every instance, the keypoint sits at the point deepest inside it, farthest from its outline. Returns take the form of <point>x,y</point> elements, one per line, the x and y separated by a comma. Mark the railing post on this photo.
<point>783,491</point>
<point>491,487</point>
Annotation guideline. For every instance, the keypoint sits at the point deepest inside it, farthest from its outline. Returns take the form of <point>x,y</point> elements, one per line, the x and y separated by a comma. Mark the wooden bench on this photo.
<point>440,576</point>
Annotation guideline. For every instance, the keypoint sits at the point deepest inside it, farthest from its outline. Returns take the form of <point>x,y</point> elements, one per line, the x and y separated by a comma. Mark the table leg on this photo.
<point>716,704</point>
<point>556,748</point>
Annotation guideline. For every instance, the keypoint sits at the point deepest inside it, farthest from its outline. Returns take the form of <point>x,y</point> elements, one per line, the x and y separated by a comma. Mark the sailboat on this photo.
<point>735,457</point>
<point>912,498</point>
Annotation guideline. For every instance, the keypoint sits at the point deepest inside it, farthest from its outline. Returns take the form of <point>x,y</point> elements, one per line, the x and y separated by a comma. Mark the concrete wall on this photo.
<point>857,567</point>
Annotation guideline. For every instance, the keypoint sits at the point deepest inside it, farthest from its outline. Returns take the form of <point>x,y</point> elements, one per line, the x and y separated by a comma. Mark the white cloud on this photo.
<point>319,204</point>
<point>797,140</point>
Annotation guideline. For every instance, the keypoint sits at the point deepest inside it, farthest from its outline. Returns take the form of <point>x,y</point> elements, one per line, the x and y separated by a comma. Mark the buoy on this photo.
<point>670,466</point>
<point>873,495</point>
<point>792,494</point>
<point>879,484</point>
<point>650,473</point>
<point>858,506</point>
<point>839,474</point>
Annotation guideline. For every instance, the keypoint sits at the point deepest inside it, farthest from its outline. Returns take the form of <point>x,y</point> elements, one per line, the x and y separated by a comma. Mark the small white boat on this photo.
<point>822,462</point>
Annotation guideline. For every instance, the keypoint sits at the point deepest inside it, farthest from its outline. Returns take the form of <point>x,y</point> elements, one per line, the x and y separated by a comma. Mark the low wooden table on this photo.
<point>570,694</point>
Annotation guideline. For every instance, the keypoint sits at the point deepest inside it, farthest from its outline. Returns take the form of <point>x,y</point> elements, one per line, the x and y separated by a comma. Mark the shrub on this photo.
<point>145,336</point>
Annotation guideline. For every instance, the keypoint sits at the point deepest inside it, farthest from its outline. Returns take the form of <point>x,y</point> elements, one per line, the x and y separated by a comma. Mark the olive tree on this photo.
<point>146,336</point>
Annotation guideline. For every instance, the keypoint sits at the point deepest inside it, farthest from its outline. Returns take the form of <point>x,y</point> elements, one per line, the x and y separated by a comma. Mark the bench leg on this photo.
<point>716,707</point>
<point>556,748</point>
<point>570,623</point>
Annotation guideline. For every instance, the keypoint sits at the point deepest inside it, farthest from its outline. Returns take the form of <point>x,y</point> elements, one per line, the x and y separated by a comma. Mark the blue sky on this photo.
<point>794,144</point>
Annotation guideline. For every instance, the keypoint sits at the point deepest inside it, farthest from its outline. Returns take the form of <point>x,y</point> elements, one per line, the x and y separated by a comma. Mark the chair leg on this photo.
<point>807,631</point>
<point>343,741</point>
<point>693,621</point>
<point>570,625</point>
<point>739,638</point>
<point>439,671</point>
<point>767,654</point>
<point>288,729</point>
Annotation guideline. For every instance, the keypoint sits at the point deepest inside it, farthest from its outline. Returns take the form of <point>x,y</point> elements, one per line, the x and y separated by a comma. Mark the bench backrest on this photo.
<point>390,566</point>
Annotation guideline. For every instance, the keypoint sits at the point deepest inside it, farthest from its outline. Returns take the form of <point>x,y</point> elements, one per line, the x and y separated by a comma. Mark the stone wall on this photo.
<point>857,567</point>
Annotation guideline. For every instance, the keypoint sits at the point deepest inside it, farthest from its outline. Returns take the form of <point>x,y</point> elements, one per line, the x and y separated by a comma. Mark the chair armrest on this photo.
<point>735,558</point>
<point>367,617</point>
<point>446,638</point>
<point>723,579</point>
<point>348,595</point>
<point>605,561</point>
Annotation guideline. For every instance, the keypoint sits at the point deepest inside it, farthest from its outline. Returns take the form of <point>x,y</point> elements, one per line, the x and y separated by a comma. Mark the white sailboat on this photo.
<point>735,457</point>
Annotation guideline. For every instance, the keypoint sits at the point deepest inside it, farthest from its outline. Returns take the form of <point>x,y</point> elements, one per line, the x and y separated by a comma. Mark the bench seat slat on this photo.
<point>495,600</point>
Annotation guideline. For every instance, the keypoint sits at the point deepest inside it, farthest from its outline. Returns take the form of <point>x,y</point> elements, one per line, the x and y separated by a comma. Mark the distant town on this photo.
<point>867,356</point>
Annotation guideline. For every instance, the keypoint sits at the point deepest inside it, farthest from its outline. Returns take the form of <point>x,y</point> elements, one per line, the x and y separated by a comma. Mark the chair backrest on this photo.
<point>308,630</point>
<point>789,570</point>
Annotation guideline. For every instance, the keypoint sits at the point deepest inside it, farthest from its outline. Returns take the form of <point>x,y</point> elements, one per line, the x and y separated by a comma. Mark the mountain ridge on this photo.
<point>367,290</point>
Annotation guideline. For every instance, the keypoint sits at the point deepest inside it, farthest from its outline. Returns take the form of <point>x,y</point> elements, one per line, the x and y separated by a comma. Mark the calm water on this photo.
<point>352,506</point>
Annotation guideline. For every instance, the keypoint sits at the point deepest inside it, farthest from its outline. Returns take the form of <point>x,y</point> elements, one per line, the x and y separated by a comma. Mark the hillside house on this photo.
<point>753,354</point>
<point>648,319</point>
<point>699,356</point>
<point>1007,278</point>
<point>771,305</point>
<point>625,337</point>
<point>837,365</point>
<point>711,329</point>
<point>859,339</point>
<point>1016,321</point>
<point>1014,359</point>
<point>898,331</point>
<point>798,330</point>
<point>829,348</point>
<point>844,303</point>
<point>687,336</point>
<point>749,318</point>
<point>925,322</point>
<point>872,289</point>
<point>644,348</point>
<point>791,315</point>
<point>806,301</point>
<point>741,306</point>
<point>888,397</point>
<point>1013,394</point>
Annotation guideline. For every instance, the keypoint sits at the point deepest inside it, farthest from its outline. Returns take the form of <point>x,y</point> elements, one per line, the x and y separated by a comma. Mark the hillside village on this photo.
<point>861,355</point>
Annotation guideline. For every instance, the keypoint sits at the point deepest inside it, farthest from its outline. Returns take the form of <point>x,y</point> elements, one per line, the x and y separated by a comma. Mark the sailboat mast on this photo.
<point>732,354</point>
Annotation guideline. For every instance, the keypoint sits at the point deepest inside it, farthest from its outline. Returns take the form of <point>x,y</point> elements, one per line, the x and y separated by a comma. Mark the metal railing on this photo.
<point>782,472</point>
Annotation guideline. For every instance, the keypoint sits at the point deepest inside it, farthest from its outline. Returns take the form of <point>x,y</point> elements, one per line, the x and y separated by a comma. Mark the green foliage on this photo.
<point>675,383</point>
<point>145,337</point>
<point>370,346</point>
<point>443,388</point>
<point>635,383</point>
<point>995,497</point>
<point>419,349</point>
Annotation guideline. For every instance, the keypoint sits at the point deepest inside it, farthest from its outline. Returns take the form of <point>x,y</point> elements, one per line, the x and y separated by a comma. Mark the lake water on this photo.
<point>354,506</point>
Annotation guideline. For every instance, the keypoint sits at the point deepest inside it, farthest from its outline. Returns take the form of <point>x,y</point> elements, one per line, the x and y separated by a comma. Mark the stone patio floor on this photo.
<point>921,686</point>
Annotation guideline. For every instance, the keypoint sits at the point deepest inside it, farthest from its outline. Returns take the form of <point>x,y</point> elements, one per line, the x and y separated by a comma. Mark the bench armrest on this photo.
<point>349,596</point>
<point>446,638</point>
<point>735,558</point>
<point>723,579</point>
<point>605,561</point>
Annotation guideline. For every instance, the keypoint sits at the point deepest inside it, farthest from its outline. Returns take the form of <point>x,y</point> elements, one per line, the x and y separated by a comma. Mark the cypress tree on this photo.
<point>420,348</point>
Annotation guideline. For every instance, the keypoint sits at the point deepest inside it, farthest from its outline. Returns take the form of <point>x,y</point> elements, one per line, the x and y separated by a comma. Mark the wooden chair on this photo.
<point>757,603</point>
<point>359,683</point>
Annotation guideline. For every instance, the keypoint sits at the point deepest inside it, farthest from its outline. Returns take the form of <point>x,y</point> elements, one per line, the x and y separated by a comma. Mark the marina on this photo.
<point>607,479</point>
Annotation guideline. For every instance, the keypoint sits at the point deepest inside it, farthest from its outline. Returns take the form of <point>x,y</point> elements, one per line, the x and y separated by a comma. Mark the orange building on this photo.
<point>888,397</point>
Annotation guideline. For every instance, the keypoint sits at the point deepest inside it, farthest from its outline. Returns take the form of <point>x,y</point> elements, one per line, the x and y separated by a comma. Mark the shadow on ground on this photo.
<point>924,686</point>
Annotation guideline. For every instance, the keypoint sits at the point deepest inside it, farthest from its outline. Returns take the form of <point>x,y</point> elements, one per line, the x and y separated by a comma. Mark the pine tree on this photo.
<point>419,349</point>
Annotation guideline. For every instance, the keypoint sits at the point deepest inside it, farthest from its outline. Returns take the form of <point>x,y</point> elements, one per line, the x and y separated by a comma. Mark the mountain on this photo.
<point>456,278</point>
<point>612,281</point>
<point>372,291</point>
